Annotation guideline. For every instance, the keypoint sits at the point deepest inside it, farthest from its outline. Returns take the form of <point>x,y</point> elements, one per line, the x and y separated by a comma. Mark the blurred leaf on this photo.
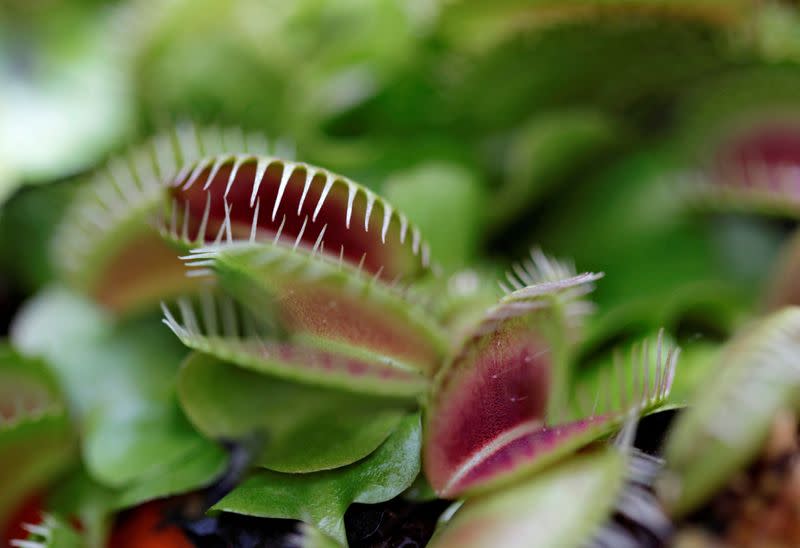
<point>477,24</point>
<point>548,151</point>
<point>606,64</point>
<point>65,93</point>
<point>120,380</point>
<point>777,32</point>
<point>27,223</point>
<point>281,67</point>
<point>729,419</point>
<point>448,204</point>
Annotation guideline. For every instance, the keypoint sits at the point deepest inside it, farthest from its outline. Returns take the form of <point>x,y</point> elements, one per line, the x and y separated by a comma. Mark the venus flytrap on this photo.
<point>745,143</point>
<point>315,344</point>
<point>282,303</point>
<point>37,441</point>
<point>478,439</point>
<point>535,512</point>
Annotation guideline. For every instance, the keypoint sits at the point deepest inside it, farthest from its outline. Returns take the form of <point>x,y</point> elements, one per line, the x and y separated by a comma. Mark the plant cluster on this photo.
<point>222,345</point>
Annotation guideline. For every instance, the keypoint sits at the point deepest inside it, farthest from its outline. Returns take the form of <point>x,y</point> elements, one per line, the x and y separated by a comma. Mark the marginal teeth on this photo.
<point>328,184</point>
<point>285,176</point>
<point>641,384</point>
<point>415,240</point>
<point>201,231</point>
<point>387,218</point>
<point>309,177</point>
<point>280,230</point>
<point>538,269</point>
<point>403,228</point>
<point>254,224</point>
<point>234,171</point>
<point>221,160</point>
<point>185,227</point>
<point>319,238</point>
<point>370,203</point>
<point>261,170</point>
<point>227,224</point>
<point>351,196</point>
<point>136,182</point>
<point>201,166</point>
<point>300,234</point>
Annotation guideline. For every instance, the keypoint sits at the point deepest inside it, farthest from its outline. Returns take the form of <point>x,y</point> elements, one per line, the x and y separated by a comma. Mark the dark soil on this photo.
<point>394,524</point>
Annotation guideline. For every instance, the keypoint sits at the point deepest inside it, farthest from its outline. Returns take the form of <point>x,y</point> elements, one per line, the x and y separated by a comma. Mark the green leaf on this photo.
<point>326,428</point>
<point>321,498</point>
<point>119,378</point>
<point>729,419</point>
<point>62,115</point>
<point>561,507</point>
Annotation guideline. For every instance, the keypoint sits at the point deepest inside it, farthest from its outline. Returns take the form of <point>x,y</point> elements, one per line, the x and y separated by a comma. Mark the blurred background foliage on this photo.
<point>494,125</point>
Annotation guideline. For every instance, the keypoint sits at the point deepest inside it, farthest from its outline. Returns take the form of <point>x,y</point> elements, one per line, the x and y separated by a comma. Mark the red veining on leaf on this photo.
<point>522,449</point>
<point>311,358</point>
<point>498,386</point>
<point>145,271</point>
<point>339,316</point>
<point>300,214</point>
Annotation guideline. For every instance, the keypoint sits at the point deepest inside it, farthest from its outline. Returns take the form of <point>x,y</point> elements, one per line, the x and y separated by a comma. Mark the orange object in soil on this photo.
<point>145,527</point>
